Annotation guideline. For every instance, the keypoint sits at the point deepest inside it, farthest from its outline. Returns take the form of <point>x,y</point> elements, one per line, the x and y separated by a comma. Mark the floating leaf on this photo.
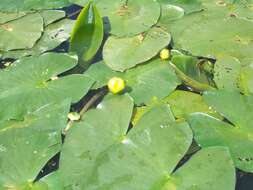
<point>227,73</point>
<point>237,136</point>
<point>121,54</point>
<point>88,138</point>
<point>18,34</point>
<point>129,17</point>
<point>187,6</point>
<point>87,34</point>
<point>29,84</point>
<point>6,17</point>
<point>148,148</point>
<point>184,103</point>
<point>203,34</point>
<point>53,35</point>
<point>141,81</point>
<point>51,16</point>
<point>28,145</point>
<point>246,79</point>
<point>26,5</point>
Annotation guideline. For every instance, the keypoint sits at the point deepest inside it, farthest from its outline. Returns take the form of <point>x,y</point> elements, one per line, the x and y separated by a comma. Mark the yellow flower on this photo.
<point>116,85</point>
<point>165,54</point>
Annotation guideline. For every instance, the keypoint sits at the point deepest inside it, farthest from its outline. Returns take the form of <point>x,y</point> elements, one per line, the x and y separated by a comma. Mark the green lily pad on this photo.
<point>237,135</point>
<point>122,161</point>
<point>88,33</point>
<point>192,72</point>
<point>21,33</point>
<point>210,168</point>
<point>184,103</point>
<point>227,73</point>
<point>26,5</point>
<point>187,6</point>
<point>54,34</point>
<point>6,17</point>
<point>51,16</point>
<point>141,81</point>
<point>121,54</point>
<point>129,17</point>
<point>169,13</point>
<point>88,138</point>
<point>27,145</point>
<point>32,82</point>
<point>246,79</point>
<point>51,182</point>
<point>203,34</point>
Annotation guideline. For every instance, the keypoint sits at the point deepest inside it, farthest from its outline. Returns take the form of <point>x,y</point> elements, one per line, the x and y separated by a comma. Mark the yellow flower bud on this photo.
<point>116,85</point>
<point>74,116</point>
<point>165,54</point>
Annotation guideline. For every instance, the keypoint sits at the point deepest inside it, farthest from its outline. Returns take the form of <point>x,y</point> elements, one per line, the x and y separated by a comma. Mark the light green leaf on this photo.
<point>6,17</point>
<point>26,5</point>
<point>129,17</point>
<point>210,169</point>
<point>121,54</point>
<point>51,16</point>
<point>141,81</point>
<point>184,103</point>
<point>54,34</point>
<point>88,138</point>
<point>28,145</point>
<point>30,83</point>
<point>203,34</point>
<point>227,73</point>
<point>87,34</point>
<point>18,34</point>
<point>246,79</point>
<point>237,136</point>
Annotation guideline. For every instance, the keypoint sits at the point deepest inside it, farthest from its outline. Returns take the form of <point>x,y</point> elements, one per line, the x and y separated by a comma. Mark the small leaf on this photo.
<point>88,33</point>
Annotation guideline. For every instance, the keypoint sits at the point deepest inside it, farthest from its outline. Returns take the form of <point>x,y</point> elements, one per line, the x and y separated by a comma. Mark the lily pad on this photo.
<point>18,34</point>
<point>122,161</point>
<point>54,34</point>
<point>27,145</point>
<point>208,35</point>
<point>227,73</point>
<point>88,138</point>
<point>246,79</point>
<point>141,81</point>
<point>51,16</point>
<point>195,103</point>
<point>6,17</point>
<point>236,135</point>
<point>30,83</point>
<point>187,6</point>
<point>121,54</point>
<point>129,17</point>
<point>27,5</point>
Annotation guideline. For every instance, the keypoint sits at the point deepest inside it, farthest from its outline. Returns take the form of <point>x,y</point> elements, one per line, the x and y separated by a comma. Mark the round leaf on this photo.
<point>123,53</point>
<point>129,17</point>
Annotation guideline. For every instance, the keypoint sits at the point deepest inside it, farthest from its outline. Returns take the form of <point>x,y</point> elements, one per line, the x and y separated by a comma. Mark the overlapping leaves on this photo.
<point>29,83</point>
<point>99,154</point>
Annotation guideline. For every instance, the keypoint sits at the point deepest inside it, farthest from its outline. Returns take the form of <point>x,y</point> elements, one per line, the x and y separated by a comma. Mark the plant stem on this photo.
<point>85,108</point>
